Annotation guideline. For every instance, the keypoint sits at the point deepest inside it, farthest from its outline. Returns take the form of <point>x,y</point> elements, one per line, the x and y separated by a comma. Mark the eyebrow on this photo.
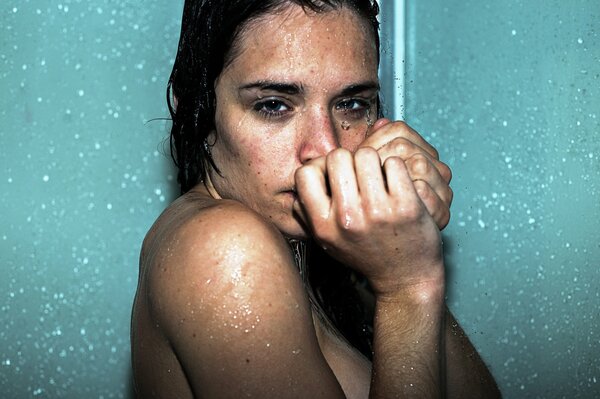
<point>359,88</point>
<point>267,85</point>
<point>294,88</point>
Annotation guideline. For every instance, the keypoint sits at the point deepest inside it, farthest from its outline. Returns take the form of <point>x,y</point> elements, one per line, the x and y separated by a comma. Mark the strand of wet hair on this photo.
<point>299,248</point>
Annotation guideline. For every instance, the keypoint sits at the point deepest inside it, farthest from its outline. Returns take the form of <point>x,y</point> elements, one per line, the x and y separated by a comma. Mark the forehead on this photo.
<point>294,44</point>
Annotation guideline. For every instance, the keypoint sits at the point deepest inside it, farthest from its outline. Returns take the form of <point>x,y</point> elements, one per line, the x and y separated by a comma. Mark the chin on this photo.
<point>286,220</point>
<point>293,228</point>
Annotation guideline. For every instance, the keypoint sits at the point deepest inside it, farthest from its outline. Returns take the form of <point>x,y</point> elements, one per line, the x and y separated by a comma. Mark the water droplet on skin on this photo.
<point>345,125</point>
<point>370,121</point>
<point>347,221</point>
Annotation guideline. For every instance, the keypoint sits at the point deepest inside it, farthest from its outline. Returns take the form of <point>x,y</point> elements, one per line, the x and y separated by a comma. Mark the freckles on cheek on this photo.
<point>255,159</point>
<point>267,160</point>
<point>267,169</point>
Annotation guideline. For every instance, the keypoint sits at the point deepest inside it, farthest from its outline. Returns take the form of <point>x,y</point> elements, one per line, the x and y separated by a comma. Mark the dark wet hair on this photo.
<point>208,33</point>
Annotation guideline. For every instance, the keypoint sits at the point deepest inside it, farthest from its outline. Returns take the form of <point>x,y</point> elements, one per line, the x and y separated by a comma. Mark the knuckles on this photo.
<point>399,127</point>
<point>449,196</point>
<point>366,155</point>
<point>400,146</point>
<point>410,212</point>
<point>419,164</point>
<point>424,190</point>
<point>338,155</point>
<point>445,171</point>
<point>366,152</point>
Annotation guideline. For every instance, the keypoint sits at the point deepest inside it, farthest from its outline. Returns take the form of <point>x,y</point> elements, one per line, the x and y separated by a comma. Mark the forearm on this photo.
<point>467,374</point>
<point>407,360</point>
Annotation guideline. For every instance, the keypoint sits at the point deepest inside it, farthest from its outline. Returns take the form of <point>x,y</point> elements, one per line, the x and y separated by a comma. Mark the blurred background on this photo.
<point>509,92</point>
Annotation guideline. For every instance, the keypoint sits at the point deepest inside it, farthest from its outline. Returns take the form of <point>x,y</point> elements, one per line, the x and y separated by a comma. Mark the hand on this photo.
<point>430,176</point>
<point>382,230</point>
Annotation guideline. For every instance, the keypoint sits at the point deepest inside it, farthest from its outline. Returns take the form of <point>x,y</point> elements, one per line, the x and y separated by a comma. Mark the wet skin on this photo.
<point>299,88</point>
<point>220,309</point>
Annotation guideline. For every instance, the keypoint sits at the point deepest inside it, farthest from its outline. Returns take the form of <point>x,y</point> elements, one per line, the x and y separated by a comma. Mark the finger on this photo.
<point>420,167</point>
<point>300,213</point>
<point>390,131</point>
<point>406,149</point>
<point>399,183</point>
<point>379,123</point>
<point>404,200</point>
<point>437,208</point>
<point>343,185</point>
<point>312,191</point>
<point>370,180</point>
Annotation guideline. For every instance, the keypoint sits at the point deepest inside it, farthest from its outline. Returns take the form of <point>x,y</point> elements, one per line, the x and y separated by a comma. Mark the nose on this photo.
<point>319,136</point>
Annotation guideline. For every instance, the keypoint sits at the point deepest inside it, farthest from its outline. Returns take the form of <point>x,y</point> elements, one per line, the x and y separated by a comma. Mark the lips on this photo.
<point>290,189</point>
<point>291,193</point>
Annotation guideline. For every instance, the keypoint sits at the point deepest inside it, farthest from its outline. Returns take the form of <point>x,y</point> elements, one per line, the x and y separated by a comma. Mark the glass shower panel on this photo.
<point>83,174</point>
<point>509,92</point>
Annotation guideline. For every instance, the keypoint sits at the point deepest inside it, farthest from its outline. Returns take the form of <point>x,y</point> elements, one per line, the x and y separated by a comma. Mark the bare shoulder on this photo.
<point>205,245</point>
<point>196,222</point>
<point>220,283</point>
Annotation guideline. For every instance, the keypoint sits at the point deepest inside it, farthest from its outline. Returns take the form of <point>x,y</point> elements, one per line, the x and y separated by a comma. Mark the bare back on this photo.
<point>221,311</point>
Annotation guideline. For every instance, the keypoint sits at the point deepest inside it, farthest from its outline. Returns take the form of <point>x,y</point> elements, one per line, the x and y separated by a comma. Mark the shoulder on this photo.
<point>222,287</point>
<point>202,239</point>
<point>197,227</point>
<point>210,256</point>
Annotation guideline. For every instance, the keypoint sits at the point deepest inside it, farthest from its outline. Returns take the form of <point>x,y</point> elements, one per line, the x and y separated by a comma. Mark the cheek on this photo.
<point>351,141</point>
<point>269,164</point>
<point>255,161</point>
<point>252,152</point>
<point>272,151</point>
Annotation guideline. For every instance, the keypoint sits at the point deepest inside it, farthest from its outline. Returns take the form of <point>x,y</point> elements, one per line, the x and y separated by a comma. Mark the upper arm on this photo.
<point>228,297</point>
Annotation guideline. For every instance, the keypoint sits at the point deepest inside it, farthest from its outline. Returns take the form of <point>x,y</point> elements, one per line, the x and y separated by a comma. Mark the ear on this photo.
<point>172,98</point>
<point>211,137</point>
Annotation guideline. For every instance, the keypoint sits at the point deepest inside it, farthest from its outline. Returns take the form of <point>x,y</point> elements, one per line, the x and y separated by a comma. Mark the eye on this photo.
<point>271,108</point>
<point>353,107</point>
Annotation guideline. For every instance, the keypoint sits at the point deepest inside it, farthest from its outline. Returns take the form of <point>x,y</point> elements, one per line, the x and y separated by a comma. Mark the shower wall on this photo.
<point>83,174</point>
<point>509,92</point>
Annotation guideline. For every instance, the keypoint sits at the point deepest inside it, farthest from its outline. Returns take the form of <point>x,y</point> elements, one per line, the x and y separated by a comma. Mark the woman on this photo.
<point>275,137</point>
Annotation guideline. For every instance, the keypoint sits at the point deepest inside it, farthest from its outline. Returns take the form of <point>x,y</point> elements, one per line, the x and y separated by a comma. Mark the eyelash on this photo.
<point>363,107</point>
<point>266,107</point>
<point>260,107</point>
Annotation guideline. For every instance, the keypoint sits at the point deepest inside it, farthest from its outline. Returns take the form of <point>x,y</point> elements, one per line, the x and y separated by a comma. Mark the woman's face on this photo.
<point>299,86</point>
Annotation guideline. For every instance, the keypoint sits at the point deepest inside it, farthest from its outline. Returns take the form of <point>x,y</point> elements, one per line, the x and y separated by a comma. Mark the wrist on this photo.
<point>414,316</point>
<point>430,290</point>
<point>430,293</point>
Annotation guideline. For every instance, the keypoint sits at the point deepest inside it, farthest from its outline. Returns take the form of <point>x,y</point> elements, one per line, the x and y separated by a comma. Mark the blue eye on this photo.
<point>271,108</point>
